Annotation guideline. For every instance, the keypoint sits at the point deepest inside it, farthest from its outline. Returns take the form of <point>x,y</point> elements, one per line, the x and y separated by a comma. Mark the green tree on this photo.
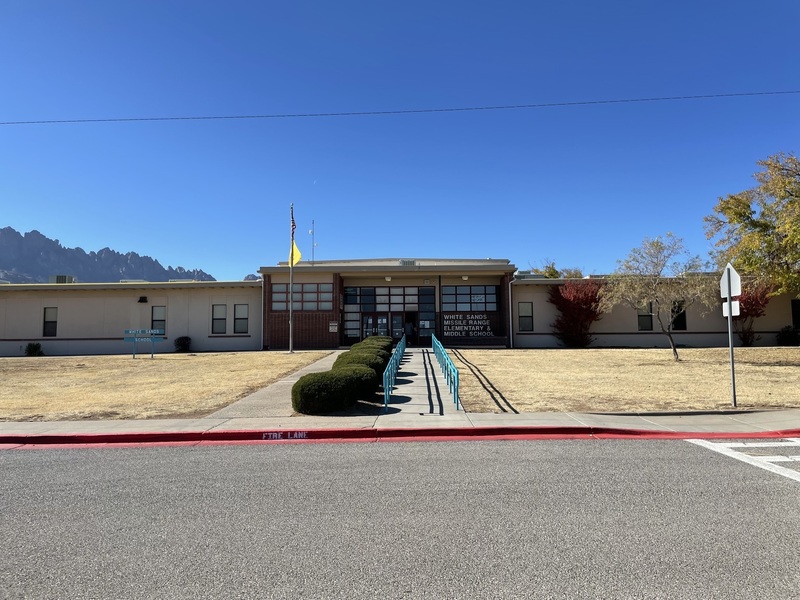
<point>760,227</point>
<point>661,278</point>
<point>549,270</point>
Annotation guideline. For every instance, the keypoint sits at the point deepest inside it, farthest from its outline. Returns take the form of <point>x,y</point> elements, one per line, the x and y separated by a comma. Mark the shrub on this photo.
<point>361,357</point>
<point>34,349</point>
<point>362,381</point>
<point>752,305</point>
<point>788,336</point>
<point>578,304</point>
<point>373,350</point>
<point>183,343</point>
<point>384,342</point>
<point>328,391</point>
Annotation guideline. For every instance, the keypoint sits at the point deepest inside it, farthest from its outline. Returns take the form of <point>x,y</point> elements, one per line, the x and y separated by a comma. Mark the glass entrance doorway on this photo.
<point>374,324</point>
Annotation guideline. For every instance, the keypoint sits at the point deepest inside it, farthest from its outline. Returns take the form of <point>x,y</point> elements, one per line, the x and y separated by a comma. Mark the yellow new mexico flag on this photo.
<point>294,255</point>
<point>294,252</point>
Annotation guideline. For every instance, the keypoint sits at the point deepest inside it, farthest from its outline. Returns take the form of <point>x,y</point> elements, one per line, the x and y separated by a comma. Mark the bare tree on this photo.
<point>662,279</point>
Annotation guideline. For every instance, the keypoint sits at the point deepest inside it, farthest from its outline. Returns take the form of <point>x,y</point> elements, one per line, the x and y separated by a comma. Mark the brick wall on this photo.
<point>310,331</point>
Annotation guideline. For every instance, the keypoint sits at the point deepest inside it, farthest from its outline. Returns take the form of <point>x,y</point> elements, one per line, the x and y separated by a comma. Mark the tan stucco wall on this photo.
<point>619,327</point>
<point>93,321</point>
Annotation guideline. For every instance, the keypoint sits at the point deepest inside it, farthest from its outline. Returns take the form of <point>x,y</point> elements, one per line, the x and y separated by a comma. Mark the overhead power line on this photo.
<point>401,112</point>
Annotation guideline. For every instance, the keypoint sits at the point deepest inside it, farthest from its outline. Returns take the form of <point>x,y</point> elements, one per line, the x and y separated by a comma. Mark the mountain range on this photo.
<point>35,258</point>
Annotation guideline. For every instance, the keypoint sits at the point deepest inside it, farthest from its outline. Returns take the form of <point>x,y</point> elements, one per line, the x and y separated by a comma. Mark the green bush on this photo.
<point>362,381</point>
<point>361,357</point>
<point>333,390</point>
<point>383,342</point>
<point>356,375</point>
<point>374,351</point>
<point>183,343</point>
<point>34,349</point>
<point>788,336</point>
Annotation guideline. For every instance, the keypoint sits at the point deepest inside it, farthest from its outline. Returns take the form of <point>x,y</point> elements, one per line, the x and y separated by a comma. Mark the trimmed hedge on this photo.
<point>384,356</point>
<point>361,357</point>
<point>356,375</point>
<point>333,390</point>
<point>183,343</point>
<point>384,342</point>
<point>362,380</point>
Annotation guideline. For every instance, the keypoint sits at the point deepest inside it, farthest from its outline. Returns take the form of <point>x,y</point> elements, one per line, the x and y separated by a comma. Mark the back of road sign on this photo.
<point>735,283</point>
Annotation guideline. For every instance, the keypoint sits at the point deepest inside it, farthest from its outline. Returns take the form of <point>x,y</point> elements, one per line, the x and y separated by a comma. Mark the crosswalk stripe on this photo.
<point>780,458</point>
<point>756,461</point>
<point>758,444</point>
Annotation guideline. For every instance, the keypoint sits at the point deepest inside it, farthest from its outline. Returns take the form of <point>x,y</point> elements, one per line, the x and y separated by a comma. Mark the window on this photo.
<point>158,318</point>
<point>240,318</point>
<point>645,317</point>
<point>50,321</point>
<point>305,296</point>
<point>395,299</point>
<point>679,315</point>
<point>525,313</point>
<point>796,313</point>
<point>469,298</point>
<point>219,317</point>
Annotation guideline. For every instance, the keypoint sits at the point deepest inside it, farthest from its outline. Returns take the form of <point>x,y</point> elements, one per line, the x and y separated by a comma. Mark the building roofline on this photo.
<point>397,265</point>
<point>128,285</point>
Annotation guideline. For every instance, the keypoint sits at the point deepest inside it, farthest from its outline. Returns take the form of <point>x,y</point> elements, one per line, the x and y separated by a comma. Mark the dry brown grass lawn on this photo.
<point>53,388</point>
<point>593,380</point>
<point>622,380</point>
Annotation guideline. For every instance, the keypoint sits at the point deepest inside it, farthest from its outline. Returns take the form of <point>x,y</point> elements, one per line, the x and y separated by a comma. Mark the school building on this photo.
<point>334,304</point>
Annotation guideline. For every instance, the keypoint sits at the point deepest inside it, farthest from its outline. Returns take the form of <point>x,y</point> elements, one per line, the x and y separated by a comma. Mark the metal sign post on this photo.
<point>729,286</point>
<point>144,335</point>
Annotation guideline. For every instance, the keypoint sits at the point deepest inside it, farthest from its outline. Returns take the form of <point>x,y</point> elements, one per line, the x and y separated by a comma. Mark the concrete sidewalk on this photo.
<point>421,406</point>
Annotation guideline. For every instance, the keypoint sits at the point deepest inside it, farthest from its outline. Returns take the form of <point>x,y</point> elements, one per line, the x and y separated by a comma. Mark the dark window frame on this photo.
<point>678,315</point>
<point>644,318</point>
<point>50,326</point>
<point>241,324</point>
<point>305,297</point>
<point>525,321</point>
<point>219,324</point>
<point>158,323</point>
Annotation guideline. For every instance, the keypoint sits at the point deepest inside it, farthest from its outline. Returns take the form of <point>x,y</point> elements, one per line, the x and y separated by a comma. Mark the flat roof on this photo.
<point>444,266</point>
<point>127,285</point>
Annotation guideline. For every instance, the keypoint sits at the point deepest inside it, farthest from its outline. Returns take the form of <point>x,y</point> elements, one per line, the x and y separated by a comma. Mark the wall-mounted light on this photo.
<point>465,277</point>
<point>142,300</point>
<point>387,278</point>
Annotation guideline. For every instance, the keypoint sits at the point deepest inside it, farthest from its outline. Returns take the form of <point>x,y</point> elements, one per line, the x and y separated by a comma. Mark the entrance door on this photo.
<point>397,327</point>
<point>374,324</point>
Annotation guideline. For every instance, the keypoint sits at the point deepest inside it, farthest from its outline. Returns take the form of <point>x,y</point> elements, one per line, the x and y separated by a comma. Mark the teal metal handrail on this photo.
<point>390,373</point>
<point>448,369</point>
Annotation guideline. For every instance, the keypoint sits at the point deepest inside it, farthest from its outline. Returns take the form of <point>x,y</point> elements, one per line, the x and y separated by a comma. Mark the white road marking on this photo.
<point>780,458</point>
<point>759,444</point>
<point>756,461</point>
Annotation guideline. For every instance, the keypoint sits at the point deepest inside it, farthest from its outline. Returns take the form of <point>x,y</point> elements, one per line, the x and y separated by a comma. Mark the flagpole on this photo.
<point>291,282</point>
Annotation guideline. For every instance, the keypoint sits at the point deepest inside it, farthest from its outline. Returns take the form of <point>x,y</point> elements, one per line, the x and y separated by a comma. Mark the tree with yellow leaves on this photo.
<point>759,228</point>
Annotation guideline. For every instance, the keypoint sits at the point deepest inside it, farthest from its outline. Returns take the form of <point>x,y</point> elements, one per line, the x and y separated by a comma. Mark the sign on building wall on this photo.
<point>467,325</point>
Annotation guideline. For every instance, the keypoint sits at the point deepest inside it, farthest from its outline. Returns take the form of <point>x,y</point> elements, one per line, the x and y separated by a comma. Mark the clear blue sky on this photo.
<point>580,185</point>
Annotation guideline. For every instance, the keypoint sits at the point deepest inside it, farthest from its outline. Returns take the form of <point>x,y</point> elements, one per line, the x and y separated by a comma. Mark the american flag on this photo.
<point>294,226</point>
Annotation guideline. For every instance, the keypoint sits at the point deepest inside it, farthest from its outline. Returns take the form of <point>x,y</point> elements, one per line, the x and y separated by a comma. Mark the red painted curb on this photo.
<point>370,434</point>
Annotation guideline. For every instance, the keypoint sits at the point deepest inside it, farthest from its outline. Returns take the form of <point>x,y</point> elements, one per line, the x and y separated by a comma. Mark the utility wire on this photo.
<point>400,112</point>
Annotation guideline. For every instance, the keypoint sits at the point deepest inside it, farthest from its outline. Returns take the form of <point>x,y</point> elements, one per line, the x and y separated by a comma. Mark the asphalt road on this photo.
<point>545,519</point>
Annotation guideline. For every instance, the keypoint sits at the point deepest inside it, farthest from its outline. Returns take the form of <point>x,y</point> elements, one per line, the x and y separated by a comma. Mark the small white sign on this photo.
<point>736,283</point>
<point>735,312</point>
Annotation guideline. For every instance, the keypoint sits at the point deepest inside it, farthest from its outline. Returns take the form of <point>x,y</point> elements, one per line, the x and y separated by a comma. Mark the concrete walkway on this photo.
<point>420,405</point>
